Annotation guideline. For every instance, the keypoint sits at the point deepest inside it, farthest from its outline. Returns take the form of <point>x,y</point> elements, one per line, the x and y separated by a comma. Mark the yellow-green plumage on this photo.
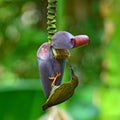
<point>61,93</point>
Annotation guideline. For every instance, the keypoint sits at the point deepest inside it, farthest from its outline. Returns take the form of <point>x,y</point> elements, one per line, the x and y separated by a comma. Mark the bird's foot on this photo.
<point>54,78</point>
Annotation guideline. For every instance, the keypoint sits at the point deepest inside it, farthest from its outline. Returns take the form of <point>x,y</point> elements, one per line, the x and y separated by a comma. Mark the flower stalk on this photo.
<point>51,19</point>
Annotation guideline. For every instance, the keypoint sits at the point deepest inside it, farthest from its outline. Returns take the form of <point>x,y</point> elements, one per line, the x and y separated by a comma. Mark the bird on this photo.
<point>61,93</point>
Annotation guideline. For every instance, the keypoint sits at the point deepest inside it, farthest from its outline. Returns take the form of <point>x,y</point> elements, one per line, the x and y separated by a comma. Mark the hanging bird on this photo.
<point>61,93</point>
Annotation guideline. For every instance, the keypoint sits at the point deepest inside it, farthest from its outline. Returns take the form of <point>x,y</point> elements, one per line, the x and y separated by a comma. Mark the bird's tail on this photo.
<point>71,68</point>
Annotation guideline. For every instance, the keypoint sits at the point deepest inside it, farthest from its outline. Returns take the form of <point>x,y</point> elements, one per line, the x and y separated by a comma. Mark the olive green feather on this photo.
<point>61,93</point>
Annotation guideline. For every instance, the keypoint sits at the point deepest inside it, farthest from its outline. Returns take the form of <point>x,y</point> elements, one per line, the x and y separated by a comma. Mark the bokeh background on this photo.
<point>23,30</point>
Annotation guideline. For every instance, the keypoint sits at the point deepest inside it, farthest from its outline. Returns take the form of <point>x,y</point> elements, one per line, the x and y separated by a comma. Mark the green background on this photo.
<point>23,30</point>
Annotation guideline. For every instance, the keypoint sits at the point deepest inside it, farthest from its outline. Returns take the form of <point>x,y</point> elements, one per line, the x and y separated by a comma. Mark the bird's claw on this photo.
<point>54,78</point>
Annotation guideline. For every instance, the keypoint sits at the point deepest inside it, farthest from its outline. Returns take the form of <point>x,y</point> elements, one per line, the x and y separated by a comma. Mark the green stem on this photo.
<point>61,15</point>
<point>51,19</point>
<point>51,22</point>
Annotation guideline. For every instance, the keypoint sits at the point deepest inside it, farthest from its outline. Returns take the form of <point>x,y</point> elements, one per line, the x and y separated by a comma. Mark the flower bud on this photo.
<point>48,67</point>
<point>80,40</point>
<point>62,40</point>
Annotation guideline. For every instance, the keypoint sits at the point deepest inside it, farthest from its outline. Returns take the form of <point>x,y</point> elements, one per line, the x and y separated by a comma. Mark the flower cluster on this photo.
<point>51,64</point>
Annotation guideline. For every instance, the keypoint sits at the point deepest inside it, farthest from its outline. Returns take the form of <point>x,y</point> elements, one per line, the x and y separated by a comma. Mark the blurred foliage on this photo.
<point>109,92</point>
<point>20,100</point>
<point>23,30</point>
